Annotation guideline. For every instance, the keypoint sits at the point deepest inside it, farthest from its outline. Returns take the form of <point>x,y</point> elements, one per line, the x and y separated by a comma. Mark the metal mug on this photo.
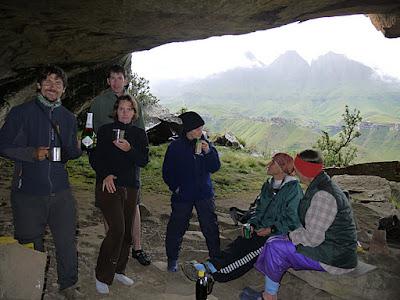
<point>55,154</point>
<point>118,134</point>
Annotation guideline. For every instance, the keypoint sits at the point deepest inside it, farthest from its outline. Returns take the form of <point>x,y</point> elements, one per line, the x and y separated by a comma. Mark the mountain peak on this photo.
<point>289,57</point>
<point>336,67</point>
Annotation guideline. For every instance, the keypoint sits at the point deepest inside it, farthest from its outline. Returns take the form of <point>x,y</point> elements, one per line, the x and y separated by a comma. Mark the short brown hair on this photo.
<point>311,156</point>
<point>130,99</point>
<point>116,69</point>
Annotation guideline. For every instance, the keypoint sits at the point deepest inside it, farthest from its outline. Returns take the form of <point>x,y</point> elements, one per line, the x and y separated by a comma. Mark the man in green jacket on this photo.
<point>102,108</point>
<point>276,213</point>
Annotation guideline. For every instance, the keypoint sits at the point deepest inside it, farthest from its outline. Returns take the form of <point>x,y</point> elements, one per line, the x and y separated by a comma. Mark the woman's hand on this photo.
<point>264,231</point>
<point>108,183</point>
<point>122,144</point>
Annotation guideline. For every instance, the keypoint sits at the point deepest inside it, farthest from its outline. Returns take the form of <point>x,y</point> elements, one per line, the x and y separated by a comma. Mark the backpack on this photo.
<point>243,216</point>
<point>391,225</point>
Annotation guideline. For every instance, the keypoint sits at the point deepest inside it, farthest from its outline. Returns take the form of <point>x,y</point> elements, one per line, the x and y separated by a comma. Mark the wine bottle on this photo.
<point>88,135</point>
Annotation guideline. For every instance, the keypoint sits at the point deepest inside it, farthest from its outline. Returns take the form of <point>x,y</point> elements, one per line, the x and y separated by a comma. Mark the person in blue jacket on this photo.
<point>41,193</point>
<point>188,176</point>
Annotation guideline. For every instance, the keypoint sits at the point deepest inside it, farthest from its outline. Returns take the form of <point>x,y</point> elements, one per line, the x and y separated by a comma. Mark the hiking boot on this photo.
<point>190,270</point>
<point>250,294</point>
<point>71,293</point>
<point>141,256</point>
<point>172,265</point>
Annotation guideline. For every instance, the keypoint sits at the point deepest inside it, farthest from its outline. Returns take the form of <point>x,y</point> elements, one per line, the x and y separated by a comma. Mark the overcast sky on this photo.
<point>353,36</point>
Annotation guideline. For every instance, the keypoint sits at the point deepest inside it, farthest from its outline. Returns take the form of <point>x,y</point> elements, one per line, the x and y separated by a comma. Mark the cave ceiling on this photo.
<point>85,37</point>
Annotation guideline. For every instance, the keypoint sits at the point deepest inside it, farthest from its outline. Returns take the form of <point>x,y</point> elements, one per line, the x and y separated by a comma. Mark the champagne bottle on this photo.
<point>88,135</point>
<point>201,286</point>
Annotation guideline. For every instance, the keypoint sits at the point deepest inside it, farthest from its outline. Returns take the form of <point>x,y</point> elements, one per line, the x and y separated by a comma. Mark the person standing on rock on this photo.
<point>118,155</point>
<point>41,193</point>
<point>275,214</point>
<point>325,242</point>
<point>102,108</point>
<point>187,172</point>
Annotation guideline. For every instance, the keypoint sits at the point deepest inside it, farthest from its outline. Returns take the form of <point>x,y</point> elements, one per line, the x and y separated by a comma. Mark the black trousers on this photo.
<point>118,209</point>
<point>32,213</point>
<point>238,258</point>
<point>179,223</point>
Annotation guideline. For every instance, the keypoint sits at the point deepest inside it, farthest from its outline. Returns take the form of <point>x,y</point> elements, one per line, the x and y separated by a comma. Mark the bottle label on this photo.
<point>87,141</point>
<point>89,120</point>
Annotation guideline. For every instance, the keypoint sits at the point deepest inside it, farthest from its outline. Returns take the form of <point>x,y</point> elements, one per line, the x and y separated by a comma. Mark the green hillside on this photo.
<point>284,106</point>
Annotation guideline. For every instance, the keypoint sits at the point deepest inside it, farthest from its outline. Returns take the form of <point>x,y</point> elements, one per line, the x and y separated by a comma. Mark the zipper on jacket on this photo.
<point>51,138</point>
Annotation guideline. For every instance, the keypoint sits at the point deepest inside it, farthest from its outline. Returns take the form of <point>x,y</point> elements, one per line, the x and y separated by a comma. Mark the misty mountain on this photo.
<point>290,87</point>
<point>285,105</point>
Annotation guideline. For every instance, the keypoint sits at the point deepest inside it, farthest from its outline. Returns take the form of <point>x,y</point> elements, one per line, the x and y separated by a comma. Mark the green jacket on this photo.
<point>339,247</point>
<point>102,108</point>
<point>278,210</point>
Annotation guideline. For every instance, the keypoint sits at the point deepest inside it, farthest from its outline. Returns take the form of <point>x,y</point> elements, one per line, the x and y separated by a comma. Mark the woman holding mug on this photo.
<point>121,148</point>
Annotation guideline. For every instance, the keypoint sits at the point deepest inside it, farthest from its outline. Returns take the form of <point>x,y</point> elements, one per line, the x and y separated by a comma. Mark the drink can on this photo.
<point>198,147</point>
<point>246,231</point>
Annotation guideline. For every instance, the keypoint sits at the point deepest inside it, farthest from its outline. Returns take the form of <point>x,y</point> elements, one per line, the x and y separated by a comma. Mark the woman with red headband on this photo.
<point>325,242</point>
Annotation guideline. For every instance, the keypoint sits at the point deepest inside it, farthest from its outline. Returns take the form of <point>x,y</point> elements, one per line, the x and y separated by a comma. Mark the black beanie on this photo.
<point>191,120</point>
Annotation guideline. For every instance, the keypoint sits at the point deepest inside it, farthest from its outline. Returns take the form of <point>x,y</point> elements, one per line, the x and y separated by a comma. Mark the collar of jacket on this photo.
<point>120,125</point>
<point>48,103</point>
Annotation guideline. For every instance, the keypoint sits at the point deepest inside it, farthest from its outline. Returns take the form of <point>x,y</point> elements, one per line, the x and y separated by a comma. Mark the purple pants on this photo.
<point>279,254</point>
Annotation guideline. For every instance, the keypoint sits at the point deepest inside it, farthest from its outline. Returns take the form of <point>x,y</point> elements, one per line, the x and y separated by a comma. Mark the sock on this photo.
<point>211,267</point>
<point>271,287</point>
<point>199,267</point>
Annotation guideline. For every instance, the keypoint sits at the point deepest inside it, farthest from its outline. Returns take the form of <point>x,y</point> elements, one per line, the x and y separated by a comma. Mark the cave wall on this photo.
<point>86,37</point>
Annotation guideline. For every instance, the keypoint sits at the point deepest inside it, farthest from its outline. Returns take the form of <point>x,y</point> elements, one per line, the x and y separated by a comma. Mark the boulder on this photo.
<point>228,140</point>
<point>21,272</point>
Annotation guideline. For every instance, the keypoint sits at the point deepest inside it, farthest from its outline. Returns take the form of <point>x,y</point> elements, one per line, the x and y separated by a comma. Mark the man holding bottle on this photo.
<point>40,193</point>
<point>102,108</point>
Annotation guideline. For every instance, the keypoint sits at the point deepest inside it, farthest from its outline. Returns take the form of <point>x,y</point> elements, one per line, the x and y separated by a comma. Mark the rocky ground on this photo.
<point>153,282</point>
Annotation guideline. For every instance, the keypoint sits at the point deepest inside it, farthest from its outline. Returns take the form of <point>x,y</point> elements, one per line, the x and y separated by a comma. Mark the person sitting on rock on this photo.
<point>187,167</point>
<point>276,214</point>
<point>325,241</point>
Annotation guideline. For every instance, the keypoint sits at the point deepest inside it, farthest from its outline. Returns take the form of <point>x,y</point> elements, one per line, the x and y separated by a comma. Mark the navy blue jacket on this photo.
<point>188,175</point>
<point>26,128</point>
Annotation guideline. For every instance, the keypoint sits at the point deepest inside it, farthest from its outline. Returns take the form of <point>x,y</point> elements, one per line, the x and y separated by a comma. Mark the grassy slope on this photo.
<point>240,172</point>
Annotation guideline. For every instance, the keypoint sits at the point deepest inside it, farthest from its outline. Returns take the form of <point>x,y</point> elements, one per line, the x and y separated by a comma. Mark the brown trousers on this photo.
<point>118,210</point>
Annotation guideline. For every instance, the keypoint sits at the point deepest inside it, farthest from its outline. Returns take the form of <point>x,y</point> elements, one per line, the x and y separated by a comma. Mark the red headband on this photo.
<point>308,169</point>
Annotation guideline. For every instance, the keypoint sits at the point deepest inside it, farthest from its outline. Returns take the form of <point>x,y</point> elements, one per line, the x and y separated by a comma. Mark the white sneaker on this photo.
<point>123,279</point>
<point>102,287</point>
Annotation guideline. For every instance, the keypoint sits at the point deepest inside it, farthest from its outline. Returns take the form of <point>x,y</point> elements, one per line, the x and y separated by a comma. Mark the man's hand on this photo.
<point>122,144</point>
<point>108,184</point>
<point>264,231</point>
<point>41,153</point>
